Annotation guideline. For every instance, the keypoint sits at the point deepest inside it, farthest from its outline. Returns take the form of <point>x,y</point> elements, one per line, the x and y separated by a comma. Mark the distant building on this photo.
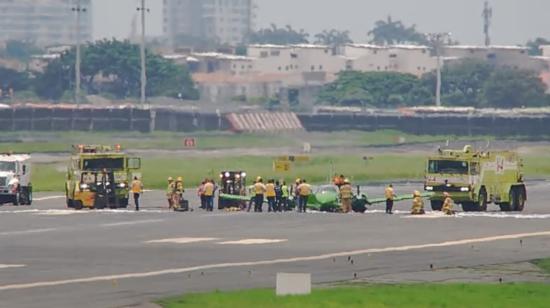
<point>44,22</point>
<point>410,59</point>
<point>224,21</point>
<point>504,56</point>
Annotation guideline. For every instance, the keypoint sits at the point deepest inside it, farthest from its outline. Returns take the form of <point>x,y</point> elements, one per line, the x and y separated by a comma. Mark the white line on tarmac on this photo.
<point>253,241</point>
<point>129,223</point>
<point>182,240</point>
<point>48,198</point>
<point>172,271</point>
<point>6,266</point>
<point>27,231</point>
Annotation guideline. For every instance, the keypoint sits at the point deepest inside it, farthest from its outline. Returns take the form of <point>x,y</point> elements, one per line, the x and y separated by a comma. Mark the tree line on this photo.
<point>109,67</point>
<point>468,83</point>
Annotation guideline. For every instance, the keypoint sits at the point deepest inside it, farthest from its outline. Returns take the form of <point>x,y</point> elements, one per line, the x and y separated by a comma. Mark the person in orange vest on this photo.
<point>209,189</point>
<point>137,190</point>
<point>270,195</point>
<point>304,189</point>
<point>259,191</point>
<point>390,195</point>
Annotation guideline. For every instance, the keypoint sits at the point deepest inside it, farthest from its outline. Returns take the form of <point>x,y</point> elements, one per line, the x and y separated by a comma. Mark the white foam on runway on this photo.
<point>506,215</point>
<point>48,198</point>
<point>6,266</point>
<point>59,212</point>
<point>26,232</point>
<point>131,223</point>
<point>182,240</point>
<point>180,270</point>
<point>252,241</point>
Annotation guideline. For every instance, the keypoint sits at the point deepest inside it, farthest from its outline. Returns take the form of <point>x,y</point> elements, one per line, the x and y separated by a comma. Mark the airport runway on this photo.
<point>54,257</point>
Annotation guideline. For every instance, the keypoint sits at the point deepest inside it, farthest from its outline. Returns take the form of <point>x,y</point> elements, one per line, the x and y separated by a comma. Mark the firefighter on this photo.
<point>448,204</point>
<point>304,190</point>
<point>278,196</point>
<point>390,196</point>
<point>418,204</point>
<point>346,195</point>
<point>137,190</point>
<point>296,193</point>
<point>209,190</point>
<point>178,193</point>
<point>200,194</point>
<point>271,196</point>
<point>339,180</point>
<point>259,191</point>
<point>284,197</point>
<point>170,191</point>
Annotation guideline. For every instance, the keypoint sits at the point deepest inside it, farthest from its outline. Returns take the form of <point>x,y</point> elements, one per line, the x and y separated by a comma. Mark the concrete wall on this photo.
<point>111,119</point>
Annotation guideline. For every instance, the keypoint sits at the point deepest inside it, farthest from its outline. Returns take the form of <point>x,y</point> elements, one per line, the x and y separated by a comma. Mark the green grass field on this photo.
<point>48,142</point>
<point>415,295</point>
<point>383,168</point>
<point>544,264</point>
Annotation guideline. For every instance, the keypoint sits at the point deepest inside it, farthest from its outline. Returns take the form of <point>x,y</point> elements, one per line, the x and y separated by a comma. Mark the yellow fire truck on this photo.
<point>476,179</point>
<point>98,177</point>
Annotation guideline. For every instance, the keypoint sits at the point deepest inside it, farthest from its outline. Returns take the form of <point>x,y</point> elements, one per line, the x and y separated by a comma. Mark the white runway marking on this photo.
<point>6,266</point>
<point>26,231</point>
<point>129,223</point>
<point>59,212</point>
<point>252,242</point>
<point>268,262</point>
<point>182,240</point>
<point>48,198</point>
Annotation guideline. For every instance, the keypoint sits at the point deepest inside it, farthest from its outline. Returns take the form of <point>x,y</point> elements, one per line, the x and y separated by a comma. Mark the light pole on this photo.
<point>78,9</point>
<point>143,10</point>
<point>437,40</point>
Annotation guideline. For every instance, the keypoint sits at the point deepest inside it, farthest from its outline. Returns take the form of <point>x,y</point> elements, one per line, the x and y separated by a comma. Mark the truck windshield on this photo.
<point>104,163</point>
<point>448,166</point>
<point>7,166</point>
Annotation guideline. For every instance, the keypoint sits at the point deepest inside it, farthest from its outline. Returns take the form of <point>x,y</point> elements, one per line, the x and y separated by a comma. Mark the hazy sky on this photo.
<point>514,22</point>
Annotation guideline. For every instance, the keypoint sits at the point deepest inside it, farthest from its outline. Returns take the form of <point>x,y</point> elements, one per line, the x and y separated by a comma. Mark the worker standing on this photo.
<point>200,194</point>
<point>390,196</point>
<point>259,191</point>
<point>304,189</point>
<point>346,195</point>
<point>170,191</point>
<point>137,190</point>
<point>178,193</point>
<point>209,190</point>
<point>296,193</point>
<point>271,196</point>
<point>448,204</point>
<point>278,197</point>
<point>284,197</point>
<point>418,204</point>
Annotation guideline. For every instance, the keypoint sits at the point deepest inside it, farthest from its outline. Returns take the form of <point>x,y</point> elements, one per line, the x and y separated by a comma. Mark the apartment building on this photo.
<point>44,22</point>
<point>225,21</point>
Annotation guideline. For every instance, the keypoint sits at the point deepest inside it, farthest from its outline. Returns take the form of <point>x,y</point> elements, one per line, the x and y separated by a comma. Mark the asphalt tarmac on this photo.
<point>51,256</point>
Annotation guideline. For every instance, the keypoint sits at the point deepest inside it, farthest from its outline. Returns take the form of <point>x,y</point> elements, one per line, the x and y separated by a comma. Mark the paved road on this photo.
<point>53,257</point>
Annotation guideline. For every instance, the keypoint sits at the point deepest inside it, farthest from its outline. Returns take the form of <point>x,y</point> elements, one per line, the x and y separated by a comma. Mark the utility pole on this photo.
<point>487,15</point>
<point>437,41</point>
<point>78,9</point>
<point>143,11</point>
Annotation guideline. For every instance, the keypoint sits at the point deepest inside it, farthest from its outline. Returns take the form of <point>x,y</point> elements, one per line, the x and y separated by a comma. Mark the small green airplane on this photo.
<point>326,198</point>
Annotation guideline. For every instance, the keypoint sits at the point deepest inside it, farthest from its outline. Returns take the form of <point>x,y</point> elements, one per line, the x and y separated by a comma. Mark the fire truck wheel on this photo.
<point>436,205</point>
<point>78,205</point>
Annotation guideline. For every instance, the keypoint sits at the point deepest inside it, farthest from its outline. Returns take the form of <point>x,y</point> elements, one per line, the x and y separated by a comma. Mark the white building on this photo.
<point>504,56</point>
<point>409,59</point>
<point>44,22</point>
<point>225,21</point>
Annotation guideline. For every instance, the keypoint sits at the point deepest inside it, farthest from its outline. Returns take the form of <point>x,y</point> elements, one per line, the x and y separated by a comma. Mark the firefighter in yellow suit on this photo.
<point>346,195</point>
<point>170,191</point>
<point>448,204</point>
<point>418,204</point>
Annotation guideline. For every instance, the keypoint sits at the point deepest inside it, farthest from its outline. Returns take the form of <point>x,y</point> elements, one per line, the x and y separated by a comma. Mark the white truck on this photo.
<point>15,179</point>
